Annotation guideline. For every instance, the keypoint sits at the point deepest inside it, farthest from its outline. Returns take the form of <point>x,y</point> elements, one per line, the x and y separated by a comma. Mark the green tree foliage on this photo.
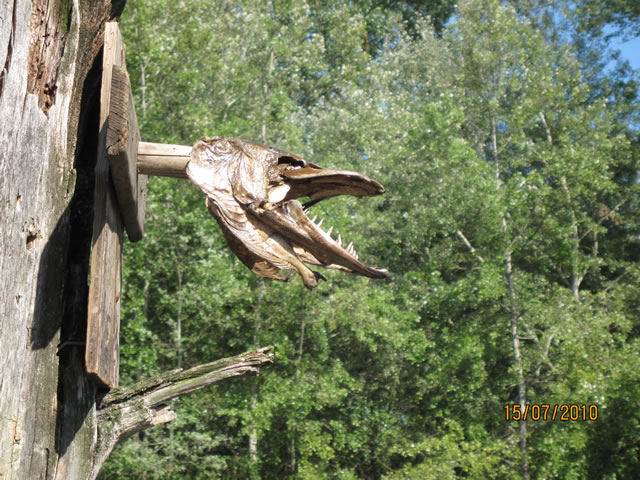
<point>510,227</point>
<point>594,15</point>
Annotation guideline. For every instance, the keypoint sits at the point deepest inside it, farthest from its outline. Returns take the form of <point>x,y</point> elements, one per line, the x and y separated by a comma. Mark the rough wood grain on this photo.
<point>163,160</point>
<point>48,41</point>
<point>102,356</point>
<point>37,183</point>
<point>122,151</point>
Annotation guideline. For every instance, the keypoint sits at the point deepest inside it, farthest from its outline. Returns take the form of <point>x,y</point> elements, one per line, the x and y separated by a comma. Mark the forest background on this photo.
<point>506,135</point>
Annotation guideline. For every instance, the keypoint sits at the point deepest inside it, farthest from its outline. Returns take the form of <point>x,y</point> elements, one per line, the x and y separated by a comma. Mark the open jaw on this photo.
<point>252,192</point>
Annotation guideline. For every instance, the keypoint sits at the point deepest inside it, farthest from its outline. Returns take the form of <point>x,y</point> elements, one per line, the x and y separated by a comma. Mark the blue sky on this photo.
<point>630,51</point>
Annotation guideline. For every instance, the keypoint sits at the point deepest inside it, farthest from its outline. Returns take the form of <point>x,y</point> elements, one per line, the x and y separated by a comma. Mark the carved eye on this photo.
<point>222,147</point>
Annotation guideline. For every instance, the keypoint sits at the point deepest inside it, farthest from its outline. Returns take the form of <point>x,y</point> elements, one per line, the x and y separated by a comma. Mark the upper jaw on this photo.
<point>284,213</point>
<point>321,183</point>
<point>298,178</point>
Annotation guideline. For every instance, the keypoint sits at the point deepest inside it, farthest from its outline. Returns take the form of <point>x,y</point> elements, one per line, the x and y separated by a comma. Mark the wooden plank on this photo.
<point>102,355</point>
<point>122,152</point>
<point>163,159</point>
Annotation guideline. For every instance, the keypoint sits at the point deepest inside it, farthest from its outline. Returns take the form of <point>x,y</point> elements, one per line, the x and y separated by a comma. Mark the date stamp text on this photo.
<point>550,411</point>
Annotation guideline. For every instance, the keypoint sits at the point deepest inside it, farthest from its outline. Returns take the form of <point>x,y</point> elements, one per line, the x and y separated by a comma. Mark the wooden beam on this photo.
<point>163,160</point>
<point>122,152</point>
<point>102,355</point>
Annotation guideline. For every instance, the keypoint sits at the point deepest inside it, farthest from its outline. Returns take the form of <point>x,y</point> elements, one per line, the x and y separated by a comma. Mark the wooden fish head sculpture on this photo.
<point>251,191</point>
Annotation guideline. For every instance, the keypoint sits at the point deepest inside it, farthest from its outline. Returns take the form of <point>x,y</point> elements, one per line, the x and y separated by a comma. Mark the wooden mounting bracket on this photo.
<point>122,151</point>
<point>162,159</point>
<point>121,171</point>
<point>119,197</point>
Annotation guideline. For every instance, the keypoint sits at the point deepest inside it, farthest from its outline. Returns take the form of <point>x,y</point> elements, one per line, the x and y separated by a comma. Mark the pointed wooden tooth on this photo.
<point>339,240</point>
<point>330,230</point>
<point>313,220</point>
<point>350,247</point>
<point>320,222</point>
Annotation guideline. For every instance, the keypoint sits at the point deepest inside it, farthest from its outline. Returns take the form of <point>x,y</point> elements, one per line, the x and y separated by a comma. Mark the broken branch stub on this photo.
<point>126,411</point>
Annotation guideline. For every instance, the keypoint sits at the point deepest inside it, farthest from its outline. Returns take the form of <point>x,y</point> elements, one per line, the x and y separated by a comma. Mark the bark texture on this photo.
<point>46,51</point>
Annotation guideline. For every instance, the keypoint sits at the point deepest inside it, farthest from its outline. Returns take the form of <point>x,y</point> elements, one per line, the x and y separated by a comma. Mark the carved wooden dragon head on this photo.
<point>252,190</point>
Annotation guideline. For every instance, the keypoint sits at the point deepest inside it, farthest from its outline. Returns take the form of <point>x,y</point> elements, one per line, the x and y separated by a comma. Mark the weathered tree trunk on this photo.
<point>55,423</point>
<point>47,49</point>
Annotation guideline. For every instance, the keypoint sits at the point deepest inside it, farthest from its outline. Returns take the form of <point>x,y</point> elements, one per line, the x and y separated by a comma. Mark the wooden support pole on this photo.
<point>163,160</point>
<point>102,355</point>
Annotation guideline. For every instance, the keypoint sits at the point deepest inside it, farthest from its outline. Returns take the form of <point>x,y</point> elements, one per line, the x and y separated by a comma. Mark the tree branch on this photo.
<point>125,411</point>
<point>606,217</point>
<point>469,246</point>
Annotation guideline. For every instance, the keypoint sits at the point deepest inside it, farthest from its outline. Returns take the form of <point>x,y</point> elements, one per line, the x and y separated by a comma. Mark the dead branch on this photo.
<point>125,411</point>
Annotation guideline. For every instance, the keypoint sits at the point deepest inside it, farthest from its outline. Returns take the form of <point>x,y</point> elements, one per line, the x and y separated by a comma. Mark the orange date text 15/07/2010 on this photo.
<point>550,411</point>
